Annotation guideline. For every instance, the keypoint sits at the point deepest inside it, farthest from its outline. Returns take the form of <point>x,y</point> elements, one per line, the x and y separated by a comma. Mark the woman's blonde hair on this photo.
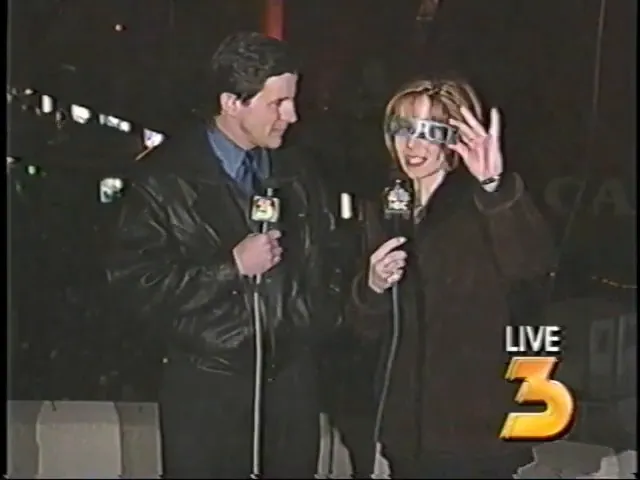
<point>446,96</point>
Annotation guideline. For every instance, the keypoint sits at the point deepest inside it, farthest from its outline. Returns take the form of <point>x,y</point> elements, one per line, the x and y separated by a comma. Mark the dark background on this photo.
<point>534,59</point>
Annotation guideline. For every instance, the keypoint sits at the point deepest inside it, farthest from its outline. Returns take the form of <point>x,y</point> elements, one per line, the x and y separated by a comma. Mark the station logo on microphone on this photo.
<point>265,209</point>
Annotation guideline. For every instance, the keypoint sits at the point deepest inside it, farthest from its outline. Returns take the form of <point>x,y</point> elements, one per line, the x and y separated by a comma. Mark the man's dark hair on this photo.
<point>244,61</point>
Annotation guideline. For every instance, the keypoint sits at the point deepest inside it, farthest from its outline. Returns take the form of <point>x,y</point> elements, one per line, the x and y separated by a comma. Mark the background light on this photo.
<point>60,118</point>
<point>115,122</point>
<point>80,114</point>
<point>110,189</point>
<point>34,170</point>
<point>151,139</point>
<point>46,104</point>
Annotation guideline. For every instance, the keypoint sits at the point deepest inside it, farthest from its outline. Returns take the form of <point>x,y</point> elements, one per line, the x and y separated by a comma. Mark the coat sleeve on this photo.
<point>150,267</point>
<point>522,247</point>
<point>519,236</point>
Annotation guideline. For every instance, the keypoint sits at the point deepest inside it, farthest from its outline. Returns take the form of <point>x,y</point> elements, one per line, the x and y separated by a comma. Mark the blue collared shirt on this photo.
<point>231,155</point>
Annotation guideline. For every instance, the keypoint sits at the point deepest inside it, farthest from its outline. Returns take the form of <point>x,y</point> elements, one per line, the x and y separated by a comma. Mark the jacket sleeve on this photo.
<point>522,246</point>
<point>520,239</point>
<point>161,275</point>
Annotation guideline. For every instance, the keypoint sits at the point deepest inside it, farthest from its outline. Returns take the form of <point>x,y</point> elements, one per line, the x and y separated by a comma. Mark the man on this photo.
<point>189,251</point>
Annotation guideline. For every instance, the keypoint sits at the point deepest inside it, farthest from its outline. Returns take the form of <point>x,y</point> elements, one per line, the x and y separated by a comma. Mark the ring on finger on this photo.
<point>394,277</point>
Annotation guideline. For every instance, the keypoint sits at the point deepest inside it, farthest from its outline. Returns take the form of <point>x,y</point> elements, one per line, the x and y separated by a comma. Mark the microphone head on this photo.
<point>398,199</point>
<point>265,208</point>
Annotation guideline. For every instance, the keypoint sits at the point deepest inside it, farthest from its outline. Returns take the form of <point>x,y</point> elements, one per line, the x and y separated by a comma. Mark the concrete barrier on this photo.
<point>122,440</point>
<point>78,440</point>
<point>140,440</point>
<point>22,447</point>
<point>564,459</point>
<point>114,440</point>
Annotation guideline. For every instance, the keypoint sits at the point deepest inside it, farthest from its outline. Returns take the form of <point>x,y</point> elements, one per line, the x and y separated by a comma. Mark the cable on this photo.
<point>257,391</point>
<point>393,347</point>
<point>595,100</point>
<point>399,200</point>
<point>259,375</point>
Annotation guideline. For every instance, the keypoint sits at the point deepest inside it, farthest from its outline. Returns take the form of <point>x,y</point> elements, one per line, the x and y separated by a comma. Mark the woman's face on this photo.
<point>418,158</point>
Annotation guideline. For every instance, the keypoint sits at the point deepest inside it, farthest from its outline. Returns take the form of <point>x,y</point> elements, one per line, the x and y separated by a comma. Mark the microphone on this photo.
<point>397,201</point>
<point>397,206</point>
<point>265,210</point>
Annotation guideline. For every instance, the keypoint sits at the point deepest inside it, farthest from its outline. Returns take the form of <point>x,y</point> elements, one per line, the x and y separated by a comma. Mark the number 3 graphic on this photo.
<point>538,387</point>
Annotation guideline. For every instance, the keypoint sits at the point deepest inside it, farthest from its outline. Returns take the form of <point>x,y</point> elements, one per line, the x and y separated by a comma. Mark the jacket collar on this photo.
<point>455,191</point>
<point>188,153</point>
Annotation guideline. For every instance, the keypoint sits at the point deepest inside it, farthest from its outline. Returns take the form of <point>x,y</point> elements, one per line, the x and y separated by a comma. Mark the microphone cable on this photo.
<point>405,211</point>
<point>258,388</point>
<point>259,376</point>
<point>393,349</point>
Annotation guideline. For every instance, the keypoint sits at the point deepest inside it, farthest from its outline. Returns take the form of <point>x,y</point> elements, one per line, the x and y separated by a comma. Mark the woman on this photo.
<point>477,250</point>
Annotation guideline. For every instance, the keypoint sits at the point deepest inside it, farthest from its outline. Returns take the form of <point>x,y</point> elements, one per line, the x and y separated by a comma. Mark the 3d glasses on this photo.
<point>433,132</point>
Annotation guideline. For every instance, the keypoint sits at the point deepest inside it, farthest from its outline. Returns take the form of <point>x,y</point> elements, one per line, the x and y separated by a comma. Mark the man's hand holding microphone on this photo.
<point>258,253</point>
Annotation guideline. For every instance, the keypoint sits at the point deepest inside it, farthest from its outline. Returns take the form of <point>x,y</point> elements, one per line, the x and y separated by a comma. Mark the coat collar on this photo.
<point>455,192</point>
<point>188,154</point>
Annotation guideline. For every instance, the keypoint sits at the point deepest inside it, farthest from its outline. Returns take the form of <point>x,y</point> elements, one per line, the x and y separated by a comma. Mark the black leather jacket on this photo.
<point>173,260</point>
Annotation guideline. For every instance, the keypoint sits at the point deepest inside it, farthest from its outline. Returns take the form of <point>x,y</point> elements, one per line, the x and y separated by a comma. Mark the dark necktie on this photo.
<point>248,174</point>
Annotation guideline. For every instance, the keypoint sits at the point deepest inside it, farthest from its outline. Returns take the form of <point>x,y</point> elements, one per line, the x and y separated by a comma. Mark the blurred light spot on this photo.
<point>80,114</point>
<point>46,104</point>
<point>60,118</point>
<point>125,127</point>
<point>151,139</point>
<point>114,122</point>
<point>110,189</point>
<point>33,170</point>
<point>346,206</point>
<point>118,27</point>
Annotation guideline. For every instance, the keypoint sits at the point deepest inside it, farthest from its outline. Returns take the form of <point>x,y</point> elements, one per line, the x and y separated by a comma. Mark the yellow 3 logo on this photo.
<point>538,387</point>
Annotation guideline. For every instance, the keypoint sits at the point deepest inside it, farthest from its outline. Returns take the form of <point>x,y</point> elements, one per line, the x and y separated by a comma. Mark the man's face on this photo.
<point>267,116</point>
